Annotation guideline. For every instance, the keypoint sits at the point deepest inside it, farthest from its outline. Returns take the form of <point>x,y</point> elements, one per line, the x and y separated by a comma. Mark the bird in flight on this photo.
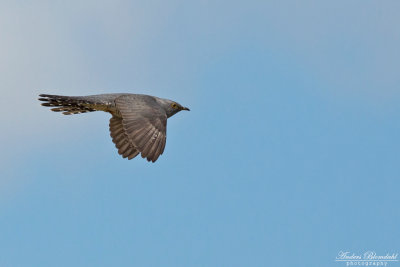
<point>138,123</point>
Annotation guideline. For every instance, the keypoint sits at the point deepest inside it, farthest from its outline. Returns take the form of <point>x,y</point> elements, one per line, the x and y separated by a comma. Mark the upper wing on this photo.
<point>144,124</point>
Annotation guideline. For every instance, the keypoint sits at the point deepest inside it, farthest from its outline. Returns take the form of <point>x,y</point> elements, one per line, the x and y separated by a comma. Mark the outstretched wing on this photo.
<point>144,124</point>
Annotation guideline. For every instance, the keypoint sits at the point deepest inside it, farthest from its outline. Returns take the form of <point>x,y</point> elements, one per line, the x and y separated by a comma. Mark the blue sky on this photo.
<point>290,152</point>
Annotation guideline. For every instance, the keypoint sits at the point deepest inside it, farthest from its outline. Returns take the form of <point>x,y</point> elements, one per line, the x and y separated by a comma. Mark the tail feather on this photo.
<point>66,104</point>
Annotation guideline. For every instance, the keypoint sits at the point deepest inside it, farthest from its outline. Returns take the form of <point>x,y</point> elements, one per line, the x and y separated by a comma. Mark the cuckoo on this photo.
<point>138,124</point>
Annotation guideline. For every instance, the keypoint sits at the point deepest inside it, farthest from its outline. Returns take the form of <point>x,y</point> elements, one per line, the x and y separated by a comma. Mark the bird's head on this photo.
<point>171,107</point>
<point>174,108</point>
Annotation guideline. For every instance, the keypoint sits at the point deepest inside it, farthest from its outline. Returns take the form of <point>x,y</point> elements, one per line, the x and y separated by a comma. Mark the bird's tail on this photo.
<point>68,105</point>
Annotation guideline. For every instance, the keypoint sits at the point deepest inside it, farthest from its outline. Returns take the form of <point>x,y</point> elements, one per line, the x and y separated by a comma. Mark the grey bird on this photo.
<point>138,123</point>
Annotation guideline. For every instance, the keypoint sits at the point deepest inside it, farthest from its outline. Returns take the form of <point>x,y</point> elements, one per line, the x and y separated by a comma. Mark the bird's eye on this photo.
<point>174,106</point>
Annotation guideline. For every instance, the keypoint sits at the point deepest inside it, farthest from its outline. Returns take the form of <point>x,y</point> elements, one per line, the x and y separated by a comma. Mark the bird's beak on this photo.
<point>185,108</point>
